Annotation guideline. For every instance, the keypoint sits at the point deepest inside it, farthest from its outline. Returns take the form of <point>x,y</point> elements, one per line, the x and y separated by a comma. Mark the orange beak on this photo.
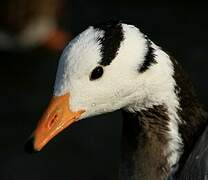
<point>57,117</point>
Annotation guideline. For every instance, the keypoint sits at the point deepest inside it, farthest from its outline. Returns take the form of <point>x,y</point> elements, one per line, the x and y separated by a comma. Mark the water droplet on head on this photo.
<point>93,104</point>
<point>105,110</point>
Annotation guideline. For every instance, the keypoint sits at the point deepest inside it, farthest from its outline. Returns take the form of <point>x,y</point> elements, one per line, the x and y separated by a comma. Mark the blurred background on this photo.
<point>32,36</point>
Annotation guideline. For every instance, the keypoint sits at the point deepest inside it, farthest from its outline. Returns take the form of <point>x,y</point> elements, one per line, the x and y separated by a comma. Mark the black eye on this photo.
<point>96,73</point>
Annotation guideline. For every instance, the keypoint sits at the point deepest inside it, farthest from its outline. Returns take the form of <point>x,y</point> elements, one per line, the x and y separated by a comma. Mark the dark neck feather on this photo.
<point>144,141</point>
<point>192,112</point>
<point>145,134</point>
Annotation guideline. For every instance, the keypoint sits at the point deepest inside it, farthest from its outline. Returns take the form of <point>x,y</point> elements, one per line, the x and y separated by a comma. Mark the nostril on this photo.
<point>52,121</point>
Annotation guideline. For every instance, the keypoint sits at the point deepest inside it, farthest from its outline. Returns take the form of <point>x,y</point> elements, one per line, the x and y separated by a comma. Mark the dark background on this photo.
<point>89,150</point>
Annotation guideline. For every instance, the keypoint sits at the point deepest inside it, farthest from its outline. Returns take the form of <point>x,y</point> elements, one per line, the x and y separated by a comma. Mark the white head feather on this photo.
<point>121,85</point>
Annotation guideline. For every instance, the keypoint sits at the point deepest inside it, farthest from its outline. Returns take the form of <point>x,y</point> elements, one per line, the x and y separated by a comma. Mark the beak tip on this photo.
<point>29,146</point>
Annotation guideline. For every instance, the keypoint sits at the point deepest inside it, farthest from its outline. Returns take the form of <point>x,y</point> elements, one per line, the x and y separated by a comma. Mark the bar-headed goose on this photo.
<point>114,66</point>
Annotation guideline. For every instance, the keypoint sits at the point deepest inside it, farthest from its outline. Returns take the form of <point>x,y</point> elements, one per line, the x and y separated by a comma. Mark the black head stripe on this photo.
<point>111,41</point>
<point>149,57</point>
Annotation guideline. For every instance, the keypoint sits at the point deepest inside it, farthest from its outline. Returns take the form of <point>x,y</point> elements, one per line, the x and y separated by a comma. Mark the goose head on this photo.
<point>105,68</point>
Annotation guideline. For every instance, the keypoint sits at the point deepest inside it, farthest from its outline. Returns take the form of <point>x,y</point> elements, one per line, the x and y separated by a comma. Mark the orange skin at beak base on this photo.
<point>56,118</point>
